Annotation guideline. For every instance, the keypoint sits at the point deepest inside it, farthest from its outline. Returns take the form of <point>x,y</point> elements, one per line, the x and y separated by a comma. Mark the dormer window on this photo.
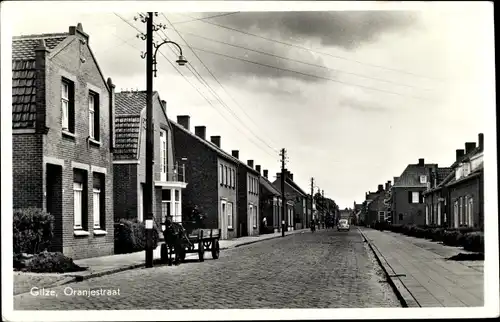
<point>466,170</point>
<point>423,179</point>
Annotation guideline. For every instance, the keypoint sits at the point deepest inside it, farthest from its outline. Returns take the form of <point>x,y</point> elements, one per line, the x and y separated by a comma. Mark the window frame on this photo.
<point>80,188</point>
<point>221,176</point>
<point>423,179</point>
<point>65,102</point>
<point>91,115</point>
<point>413,194</point>
<point>255,217</point>
<point>96,205</point>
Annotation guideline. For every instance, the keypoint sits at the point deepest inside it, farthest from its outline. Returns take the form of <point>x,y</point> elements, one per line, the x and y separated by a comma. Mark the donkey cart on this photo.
<point>197,241</point>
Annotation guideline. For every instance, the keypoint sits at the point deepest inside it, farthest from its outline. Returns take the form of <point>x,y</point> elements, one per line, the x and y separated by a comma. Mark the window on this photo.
<point>471,212</point>
<point>79,199</point>
<point>140,204</point>
<point>381,216</point>
<point>461,211</point>
<point>230,215</point>
<point>423,179</point>
<point>166,210</point>
<point>234,178</point>
<point>177,217</point>
<point>94,116</point>
<point>250,212</point>
<point>466,170</point>
<point>400,216</point>
<point>163,155</point>
<point>455,214</point>
<point>415,197</point>
<point>226,178</point>
<point>255,220</point>
<point>67,106</point>
<point>426,214</point>
<point>98,201</point>
<point>221,175</point>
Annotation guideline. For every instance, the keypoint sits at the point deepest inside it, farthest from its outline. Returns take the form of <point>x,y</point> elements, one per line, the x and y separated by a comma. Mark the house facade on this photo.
<point>212,175</point>
<point>62,139</point>
<point>377,208</point>
<point>248,198</point>
<point>130,160</point>
<point>296,198</point>
<point>270,202</point>
<point>407,203</point>
<point>455,195</point>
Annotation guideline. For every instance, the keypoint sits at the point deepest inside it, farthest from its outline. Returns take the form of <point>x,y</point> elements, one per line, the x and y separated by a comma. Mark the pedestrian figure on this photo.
<point>173,234</point>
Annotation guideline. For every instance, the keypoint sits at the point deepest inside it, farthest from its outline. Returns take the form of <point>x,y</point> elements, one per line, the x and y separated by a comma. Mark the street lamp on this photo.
<point>150,68</point>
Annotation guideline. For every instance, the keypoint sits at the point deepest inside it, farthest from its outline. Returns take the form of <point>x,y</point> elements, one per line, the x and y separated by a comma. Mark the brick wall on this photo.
<point>125,191</point>
<point>413,213</point>
<point>27,170</point>
<point>471,188</point>
<point>230,195</point>
<point>86,76</point>
<point>201,175</point>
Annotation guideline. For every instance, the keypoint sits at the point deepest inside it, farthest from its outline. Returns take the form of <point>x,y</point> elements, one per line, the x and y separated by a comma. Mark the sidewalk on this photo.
<point>100,266</point>
<point>421,274</point>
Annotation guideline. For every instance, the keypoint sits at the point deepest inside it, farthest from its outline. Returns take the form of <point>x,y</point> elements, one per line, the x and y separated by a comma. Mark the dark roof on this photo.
<point>131,102</point>
<point>269,186</point>
<point>127,129</point>
<point>23,77</point>
<point>23,47</point>
<point>411,175</point>
<point>208,144</point>
<point>453,180</point>
<point>442,173</point>
<point>291,183</point>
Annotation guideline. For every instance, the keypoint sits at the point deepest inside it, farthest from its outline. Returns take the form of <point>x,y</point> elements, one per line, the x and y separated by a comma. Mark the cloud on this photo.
<point>362,105</point>
<point>345,29</point>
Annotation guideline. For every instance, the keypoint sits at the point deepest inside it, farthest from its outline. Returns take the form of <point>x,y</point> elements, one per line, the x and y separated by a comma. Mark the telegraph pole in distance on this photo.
<point>285,208</point>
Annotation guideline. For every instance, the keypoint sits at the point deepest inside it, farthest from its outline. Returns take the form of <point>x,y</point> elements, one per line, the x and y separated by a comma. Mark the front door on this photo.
<point>223,219</point>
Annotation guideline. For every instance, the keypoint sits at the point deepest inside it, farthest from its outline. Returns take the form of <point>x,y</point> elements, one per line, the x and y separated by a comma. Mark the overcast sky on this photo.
<point>376,90</point>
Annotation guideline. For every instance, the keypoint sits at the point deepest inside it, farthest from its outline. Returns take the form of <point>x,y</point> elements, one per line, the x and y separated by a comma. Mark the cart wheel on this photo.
<point>201,252</point>
<point>215,249</point>
<point>163,253</point>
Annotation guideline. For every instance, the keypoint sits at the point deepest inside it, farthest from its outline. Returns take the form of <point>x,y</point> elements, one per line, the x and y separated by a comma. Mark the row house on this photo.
<point>377,207</point>
<point>212,175</point>
<point>62,139</point>
<point>271,206</point>
<point>295,216</point>
<point>456,200</point>
<point>406,198</point>
<point>248,198</point>
<point>129,160</point>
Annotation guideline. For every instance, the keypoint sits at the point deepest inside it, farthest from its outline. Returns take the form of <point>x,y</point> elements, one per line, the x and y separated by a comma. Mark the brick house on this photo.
<point>457,199</point>
<point>407,204</point>
<point>130,160</point>
<point>296,216</point>
<point>62,126</point>
<point>377,207</point>
<point>270,202</point>
<point>248,198</point>
<point>212,175</point>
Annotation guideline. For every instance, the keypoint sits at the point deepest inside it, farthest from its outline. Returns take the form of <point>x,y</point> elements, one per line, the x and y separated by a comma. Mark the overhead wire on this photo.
<point>223,88</point>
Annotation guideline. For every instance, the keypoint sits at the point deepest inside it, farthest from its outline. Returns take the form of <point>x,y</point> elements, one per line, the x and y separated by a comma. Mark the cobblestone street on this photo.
<point>325,269</point>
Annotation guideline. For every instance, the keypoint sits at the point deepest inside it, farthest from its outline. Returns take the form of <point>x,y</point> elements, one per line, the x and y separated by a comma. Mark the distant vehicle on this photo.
<point>343,225</point>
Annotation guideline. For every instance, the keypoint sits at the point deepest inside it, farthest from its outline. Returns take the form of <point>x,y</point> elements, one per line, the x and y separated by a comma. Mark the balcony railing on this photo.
<point>176,173</point>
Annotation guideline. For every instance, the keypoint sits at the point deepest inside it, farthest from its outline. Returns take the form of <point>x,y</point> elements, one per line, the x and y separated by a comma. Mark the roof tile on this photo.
<point>127,137</point>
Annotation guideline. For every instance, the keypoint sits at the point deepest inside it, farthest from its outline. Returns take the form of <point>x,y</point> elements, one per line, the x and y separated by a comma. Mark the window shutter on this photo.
<point>420,197</point>
<point>97,117</point>
<point>410,197</point>
<point>71,107</point>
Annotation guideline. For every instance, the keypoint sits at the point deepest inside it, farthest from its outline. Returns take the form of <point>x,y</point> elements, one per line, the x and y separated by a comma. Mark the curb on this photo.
<point>261,240</point>
<point>403,295</point>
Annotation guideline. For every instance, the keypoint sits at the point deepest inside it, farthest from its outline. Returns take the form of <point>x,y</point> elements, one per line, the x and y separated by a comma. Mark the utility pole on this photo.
<point>312,199</point>
<point>149,141</point>
<point>283,199</point>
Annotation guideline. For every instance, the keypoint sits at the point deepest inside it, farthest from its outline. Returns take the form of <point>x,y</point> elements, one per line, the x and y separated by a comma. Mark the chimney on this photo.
<point>112,112</point>
<point>380,188</point>
<point>236,154</point>
<point>200,131</point>
<point>215,140</point>
<point>250,163</point>
<point>421,162</point>
<point>41,53</point>
<point>257,167</point>
<point>183,120</point>
<point>469,146</point>
<point>78,29</point>
<point>481,141</point>
<point>290,175</point>
<point>164,106</point>
<point>266,173</point>
<point>459,154</point>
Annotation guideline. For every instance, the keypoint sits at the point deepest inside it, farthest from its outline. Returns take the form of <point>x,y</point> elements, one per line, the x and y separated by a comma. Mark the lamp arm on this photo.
<point>167,42</point>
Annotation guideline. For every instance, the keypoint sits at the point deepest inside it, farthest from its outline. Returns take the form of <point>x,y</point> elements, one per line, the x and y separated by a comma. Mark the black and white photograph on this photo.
<point>248,160</point>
